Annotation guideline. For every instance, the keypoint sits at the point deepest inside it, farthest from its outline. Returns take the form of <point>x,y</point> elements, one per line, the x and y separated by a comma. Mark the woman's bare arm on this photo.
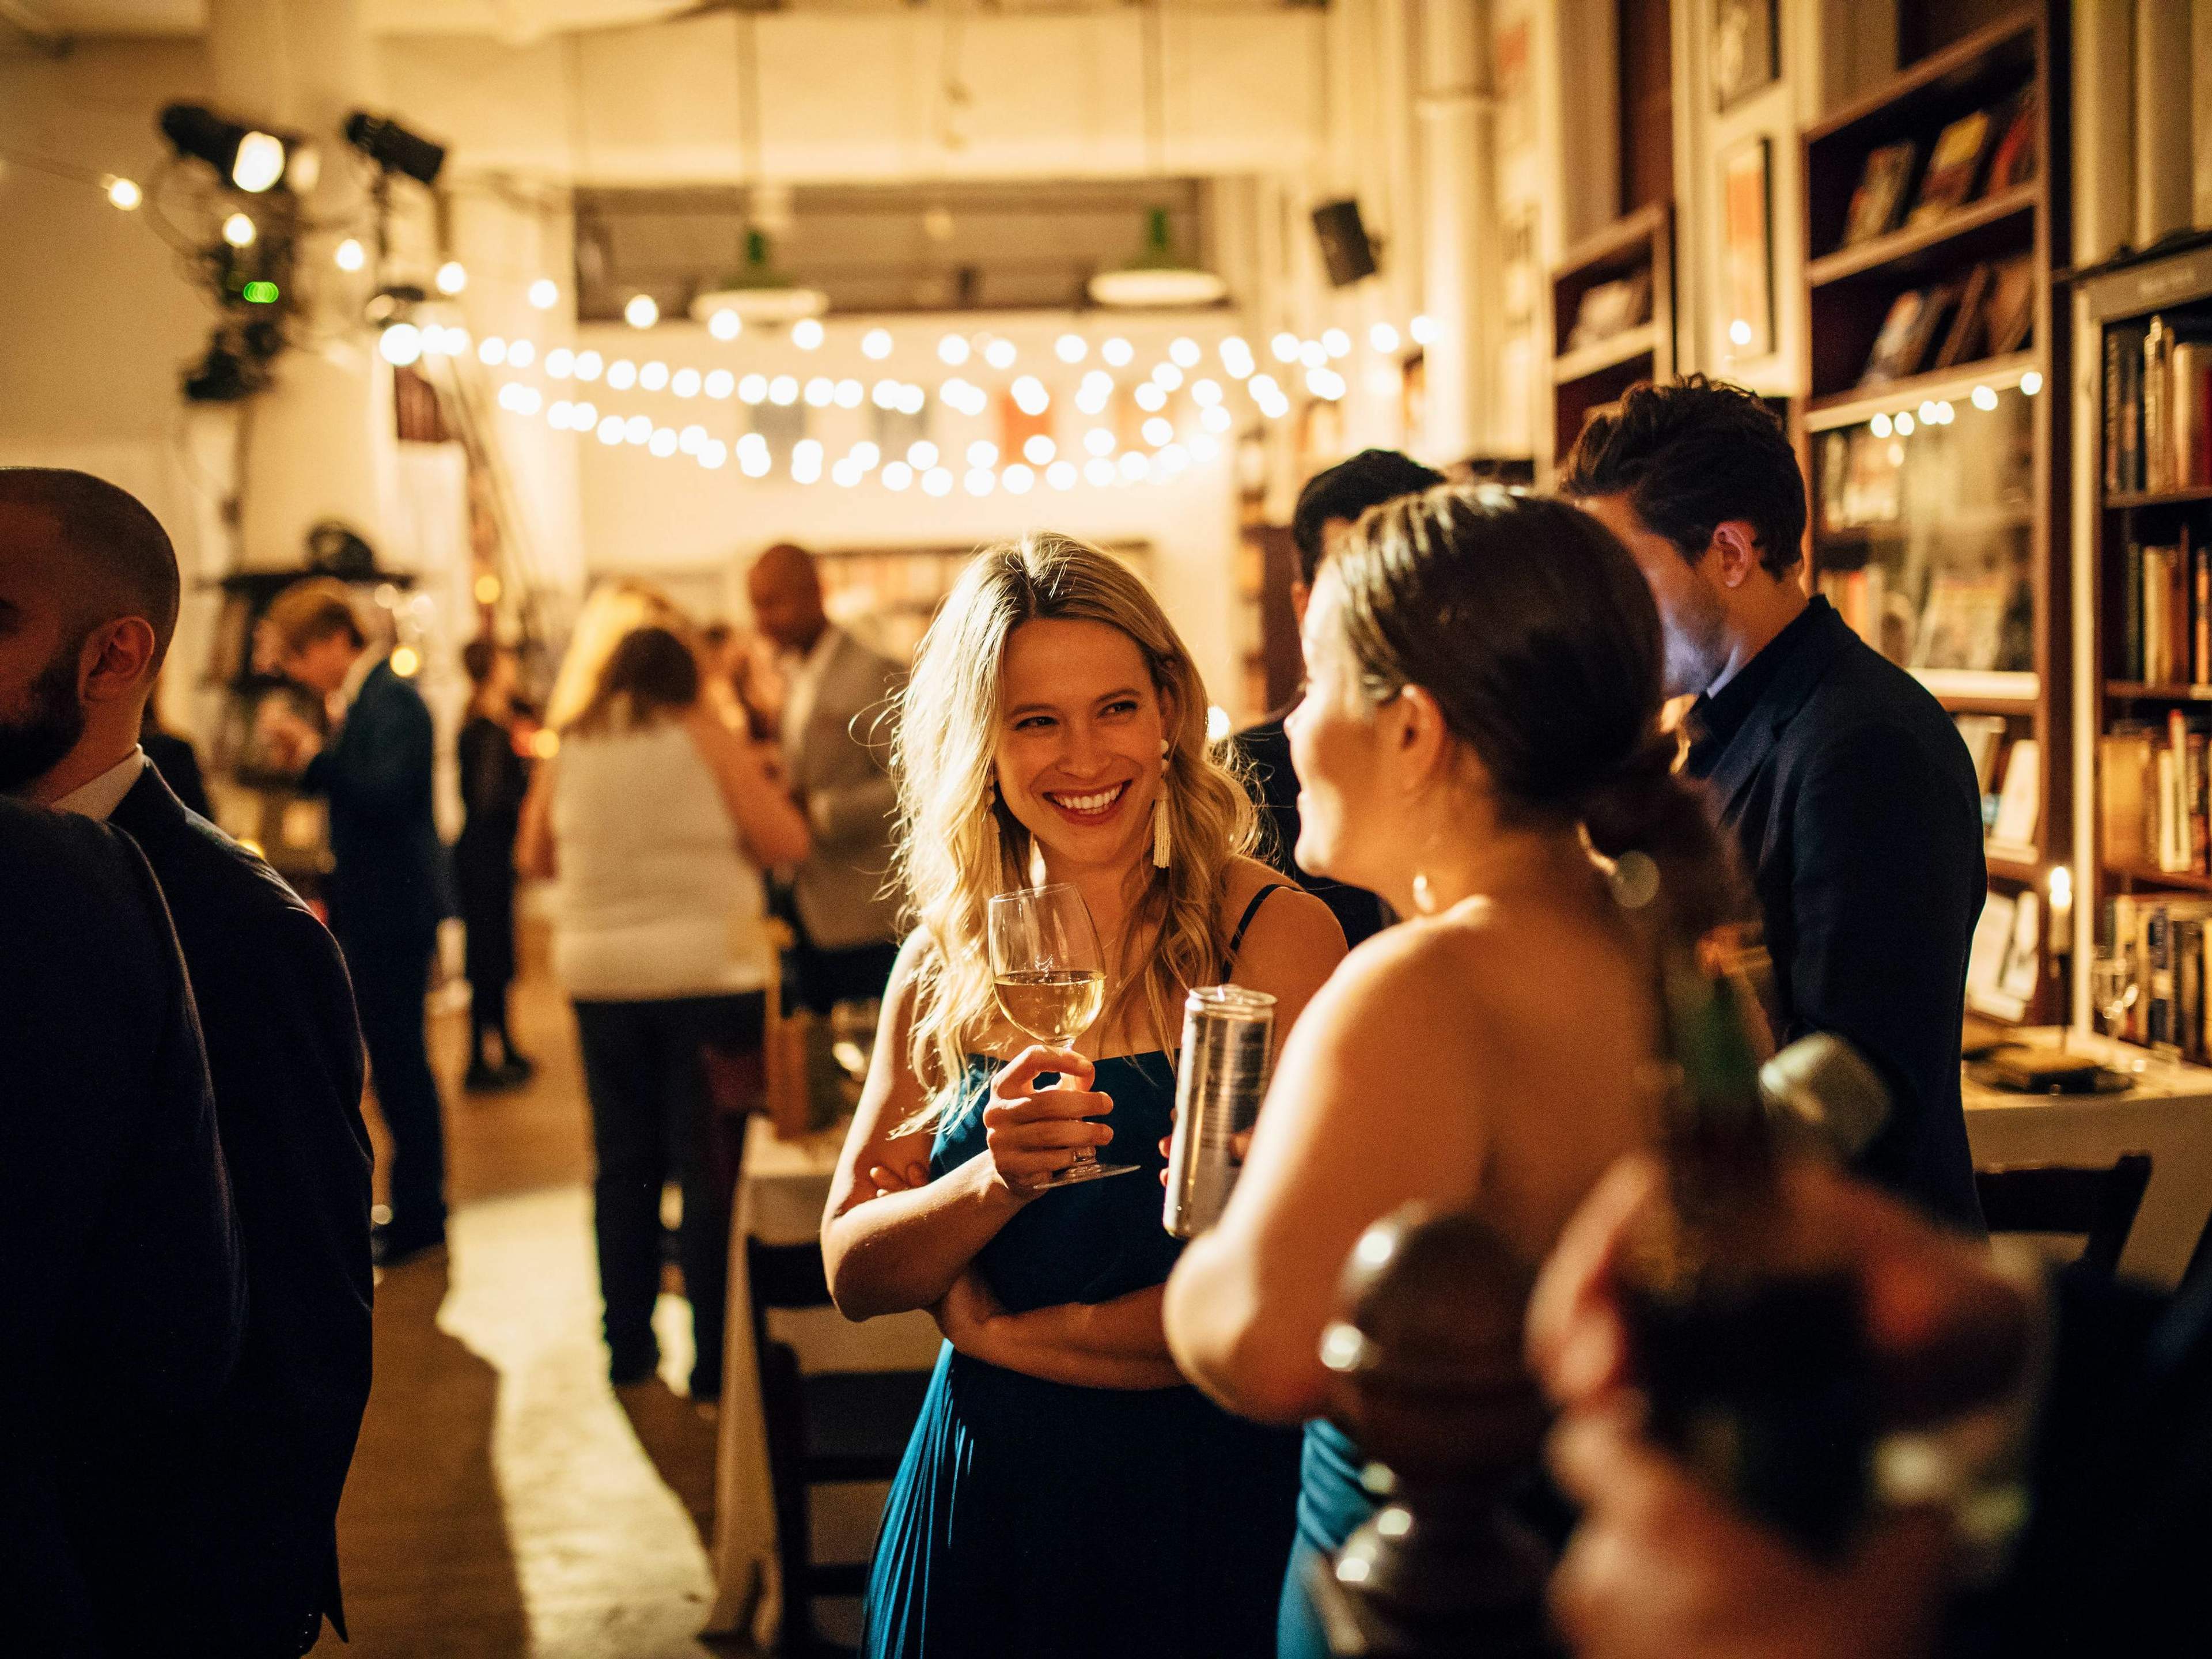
<point>534,854</point>
<point>1374,1102</point>
<point>772,828</point>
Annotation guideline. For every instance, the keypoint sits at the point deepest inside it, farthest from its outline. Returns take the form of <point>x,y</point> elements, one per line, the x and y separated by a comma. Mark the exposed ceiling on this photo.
<point>998,246</point>
<point>529,19</point>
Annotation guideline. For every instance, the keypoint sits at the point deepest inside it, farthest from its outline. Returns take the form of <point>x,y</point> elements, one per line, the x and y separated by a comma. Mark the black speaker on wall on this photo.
<point>1344,245</point>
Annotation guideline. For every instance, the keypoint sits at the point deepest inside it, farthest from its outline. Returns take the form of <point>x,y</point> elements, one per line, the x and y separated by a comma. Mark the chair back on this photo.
<point>2098,1204</point>
<point>786,1276</point>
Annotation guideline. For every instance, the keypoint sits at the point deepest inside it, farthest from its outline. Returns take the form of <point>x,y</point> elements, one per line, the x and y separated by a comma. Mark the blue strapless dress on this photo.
<point>1034,1518</point>
<point>1332,1504</point>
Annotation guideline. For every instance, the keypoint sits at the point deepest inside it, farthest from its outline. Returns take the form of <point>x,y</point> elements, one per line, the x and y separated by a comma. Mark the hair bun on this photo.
<point>1624,807</point>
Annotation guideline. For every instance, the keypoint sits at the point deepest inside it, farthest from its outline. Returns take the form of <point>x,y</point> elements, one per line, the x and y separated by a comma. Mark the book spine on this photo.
<point>2131,614</point>
<point>2188,946</point>
<point>2154,635</point>
<point>2115,393</point>
<point>2195,797</point>
<point>2199,611</point>
<point>2131,364</point>
<point>2127,939</point>
<point>2176,610</point>
<point>2185,374</point>
<point>2157,989</point>
<point>2157,445</point>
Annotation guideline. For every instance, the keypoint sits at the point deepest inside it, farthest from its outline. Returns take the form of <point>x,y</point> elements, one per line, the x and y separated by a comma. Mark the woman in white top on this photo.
<point>658,821</point>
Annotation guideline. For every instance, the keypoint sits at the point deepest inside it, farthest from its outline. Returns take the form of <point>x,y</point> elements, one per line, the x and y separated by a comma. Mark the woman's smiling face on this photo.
<point>1080,733</point>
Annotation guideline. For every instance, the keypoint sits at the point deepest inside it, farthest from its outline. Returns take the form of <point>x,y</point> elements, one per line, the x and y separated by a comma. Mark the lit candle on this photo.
<point>2060,886</point>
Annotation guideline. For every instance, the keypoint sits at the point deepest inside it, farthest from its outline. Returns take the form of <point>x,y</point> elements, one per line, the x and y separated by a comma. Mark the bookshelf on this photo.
<point>2150,649</point>
<point>1612,318</point>
<point>1934,208</point>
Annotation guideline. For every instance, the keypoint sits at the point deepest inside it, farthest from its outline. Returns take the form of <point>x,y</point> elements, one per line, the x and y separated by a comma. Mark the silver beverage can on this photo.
<point>1228,1041</point>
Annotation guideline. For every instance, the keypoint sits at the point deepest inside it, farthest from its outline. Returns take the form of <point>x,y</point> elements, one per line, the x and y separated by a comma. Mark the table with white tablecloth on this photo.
<point>2168,1114</point>
<point>781,1195</point>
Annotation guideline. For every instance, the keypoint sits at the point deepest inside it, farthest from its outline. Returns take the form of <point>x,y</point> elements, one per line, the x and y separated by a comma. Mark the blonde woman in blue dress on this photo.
<point>1066,1491</point>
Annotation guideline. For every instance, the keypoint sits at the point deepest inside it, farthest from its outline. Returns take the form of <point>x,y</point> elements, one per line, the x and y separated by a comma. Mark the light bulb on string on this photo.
<point>239,231</point>
<point>545,294</point>
<point>806,333</point>
<point>348,255</point>
<point>123,192</point>
<point>1071,348</point>
<point>876,343</point>
<point>725,324</point>
<point>652,376</point>
<point>1117,352</point>
<point>452,277</point>
<point>643,311</point>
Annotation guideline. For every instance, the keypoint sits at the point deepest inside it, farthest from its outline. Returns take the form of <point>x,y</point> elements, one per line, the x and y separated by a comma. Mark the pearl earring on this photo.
<point>1424,897</point>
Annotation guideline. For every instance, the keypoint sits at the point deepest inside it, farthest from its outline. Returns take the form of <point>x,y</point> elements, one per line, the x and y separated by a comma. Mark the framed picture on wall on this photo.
<point>1744,58</point>
<point>1747,252</point>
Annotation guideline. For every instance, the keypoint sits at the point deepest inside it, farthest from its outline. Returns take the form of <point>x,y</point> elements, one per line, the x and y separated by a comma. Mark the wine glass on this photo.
<point>2112,988</point>
<point>1050,977</point>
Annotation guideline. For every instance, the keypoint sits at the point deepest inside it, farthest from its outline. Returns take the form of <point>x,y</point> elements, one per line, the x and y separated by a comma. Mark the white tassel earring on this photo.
<point>1160,844</point>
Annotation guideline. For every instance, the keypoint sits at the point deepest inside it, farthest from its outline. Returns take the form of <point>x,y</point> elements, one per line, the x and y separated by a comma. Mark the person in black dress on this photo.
<point>494,780</point>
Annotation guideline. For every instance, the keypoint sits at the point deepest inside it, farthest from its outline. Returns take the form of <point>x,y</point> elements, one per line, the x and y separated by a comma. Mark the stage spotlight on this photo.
<point>250,159</point>
<point>394,148</point>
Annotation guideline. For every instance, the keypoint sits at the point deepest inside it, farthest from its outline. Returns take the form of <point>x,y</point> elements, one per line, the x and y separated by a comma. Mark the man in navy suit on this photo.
<point>387,887</point>
<point>1849,791</point>
<point>121,1296</point>
<point>252,1485</point>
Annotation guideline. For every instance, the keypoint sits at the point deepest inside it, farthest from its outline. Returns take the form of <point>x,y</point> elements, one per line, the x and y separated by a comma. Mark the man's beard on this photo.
<point>35,735</point>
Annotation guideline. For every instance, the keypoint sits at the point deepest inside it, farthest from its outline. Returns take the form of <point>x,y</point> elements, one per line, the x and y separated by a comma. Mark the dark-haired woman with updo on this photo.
<point>1481,717</point>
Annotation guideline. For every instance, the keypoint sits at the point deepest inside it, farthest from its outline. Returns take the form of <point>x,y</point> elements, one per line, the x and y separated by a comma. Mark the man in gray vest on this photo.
<point>835,732</point>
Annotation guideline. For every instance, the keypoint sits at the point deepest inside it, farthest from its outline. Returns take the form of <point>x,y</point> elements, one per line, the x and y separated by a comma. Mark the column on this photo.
<point>1457,199</point>
<point>320,444</point>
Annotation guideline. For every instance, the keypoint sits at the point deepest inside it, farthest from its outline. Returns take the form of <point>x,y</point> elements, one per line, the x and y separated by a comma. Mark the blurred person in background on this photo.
<point>387,889</point>
<point>173,757</point>
<point>655,820</point>
<point>726,660</point>
<point>835,692</point>
<point>247,1489</point>
<point>1063,1492</point>
<point>494,778</point>
<point>1328,507</point>
<point>1482,711</point>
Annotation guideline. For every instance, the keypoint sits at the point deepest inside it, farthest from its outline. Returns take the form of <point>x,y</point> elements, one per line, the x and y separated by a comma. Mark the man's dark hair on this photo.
<point>119,545</point>
<point>478,658</point>
<point>1691,456</point>
<point>1348,489</point>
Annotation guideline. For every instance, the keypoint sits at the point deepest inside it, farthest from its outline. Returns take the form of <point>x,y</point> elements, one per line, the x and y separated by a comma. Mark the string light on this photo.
<point>999,354</point>
<point>685,383</point>
<point>725,324</point>
<point>1424,330</point>
<point>239,231</point>
<point>348,255</point>
<point>643,311</point>
<point>652,376</point>
<point>622,374</point>
<point>1383,338</point>
<point>1183,352</point>
<point>876,343</point>
<point>1336,343</point>
<point>1071,348</point>
<point>953,351</point>
<point>123,192</point>
<point>1285,346</point>
<point>452,277</point>
<point>1117,352</point>
<point>806,333</point>
<point>545,294</point>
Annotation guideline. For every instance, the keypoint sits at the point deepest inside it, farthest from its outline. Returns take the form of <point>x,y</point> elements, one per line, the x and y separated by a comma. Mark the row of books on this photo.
<point>2169,939</point>
<point>1990,313</point>
<point>1978,154</point>
<point>2158,405</point>
<point>1973,616</point>
<point>2154,798</point>
<point>2166,613</point>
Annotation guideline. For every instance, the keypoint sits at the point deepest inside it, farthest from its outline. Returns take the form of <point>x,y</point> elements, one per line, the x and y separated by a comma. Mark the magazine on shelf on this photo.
<point>1954,168</point>
<point>1881,189</point>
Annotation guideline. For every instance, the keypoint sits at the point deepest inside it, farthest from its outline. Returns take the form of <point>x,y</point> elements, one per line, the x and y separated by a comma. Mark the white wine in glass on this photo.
<point>1050,977</point>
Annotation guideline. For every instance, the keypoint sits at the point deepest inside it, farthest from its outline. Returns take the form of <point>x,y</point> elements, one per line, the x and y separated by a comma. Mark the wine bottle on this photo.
<point>1748,1339</point>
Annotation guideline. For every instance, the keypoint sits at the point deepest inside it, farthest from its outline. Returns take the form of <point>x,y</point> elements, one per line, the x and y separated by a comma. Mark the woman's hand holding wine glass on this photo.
<point>1035,1135</point>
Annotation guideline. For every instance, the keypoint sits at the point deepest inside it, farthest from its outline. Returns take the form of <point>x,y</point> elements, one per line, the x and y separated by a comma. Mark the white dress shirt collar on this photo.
<point>104,794</point>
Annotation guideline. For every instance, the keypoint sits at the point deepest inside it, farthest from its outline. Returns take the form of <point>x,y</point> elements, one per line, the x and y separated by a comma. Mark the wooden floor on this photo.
<point>504,1501</point>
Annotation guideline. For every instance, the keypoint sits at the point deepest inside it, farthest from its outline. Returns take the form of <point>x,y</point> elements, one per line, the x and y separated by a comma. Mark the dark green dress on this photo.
<point>1038,1518</point>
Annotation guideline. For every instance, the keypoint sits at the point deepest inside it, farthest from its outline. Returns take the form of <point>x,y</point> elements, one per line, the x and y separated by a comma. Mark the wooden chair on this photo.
<point>821,1428</point>
<point>2098,1203</point>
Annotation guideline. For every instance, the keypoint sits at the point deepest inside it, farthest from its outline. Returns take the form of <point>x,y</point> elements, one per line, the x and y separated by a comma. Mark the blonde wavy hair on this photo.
<point>949,862</point>
<point>616,609</point>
